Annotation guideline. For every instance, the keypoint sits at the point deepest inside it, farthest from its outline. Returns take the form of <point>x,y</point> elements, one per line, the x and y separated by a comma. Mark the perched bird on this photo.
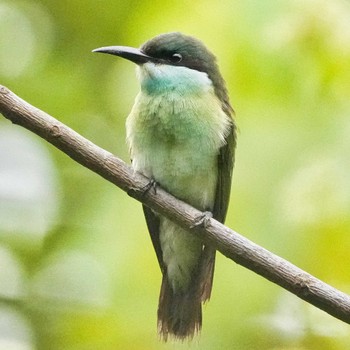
<point>182,135</point>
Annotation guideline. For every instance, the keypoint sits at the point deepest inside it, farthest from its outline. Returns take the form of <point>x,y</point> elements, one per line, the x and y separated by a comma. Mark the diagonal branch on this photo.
<point>228,242</point>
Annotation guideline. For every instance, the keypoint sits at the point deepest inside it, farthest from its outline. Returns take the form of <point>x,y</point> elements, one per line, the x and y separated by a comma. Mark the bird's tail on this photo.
<point>179,313</point>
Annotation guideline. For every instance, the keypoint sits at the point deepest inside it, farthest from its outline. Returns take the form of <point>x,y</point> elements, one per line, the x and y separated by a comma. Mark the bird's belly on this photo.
<point>183,170</point>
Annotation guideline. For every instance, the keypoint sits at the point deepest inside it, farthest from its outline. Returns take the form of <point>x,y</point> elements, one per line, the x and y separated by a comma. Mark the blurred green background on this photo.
<point>77,268</point>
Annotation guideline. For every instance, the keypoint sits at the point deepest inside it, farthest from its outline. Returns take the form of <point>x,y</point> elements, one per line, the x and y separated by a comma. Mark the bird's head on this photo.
<point>173,61</point>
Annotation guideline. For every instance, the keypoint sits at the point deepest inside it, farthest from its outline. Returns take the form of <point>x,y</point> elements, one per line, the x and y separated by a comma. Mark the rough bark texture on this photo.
<point>228,242</point>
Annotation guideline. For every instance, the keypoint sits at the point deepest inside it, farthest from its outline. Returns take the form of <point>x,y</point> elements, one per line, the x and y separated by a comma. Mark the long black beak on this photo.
<point>129,53</point>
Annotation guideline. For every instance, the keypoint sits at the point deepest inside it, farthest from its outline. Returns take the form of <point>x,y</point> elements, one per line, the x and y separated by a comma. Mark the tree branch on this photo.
<point>228,242</point>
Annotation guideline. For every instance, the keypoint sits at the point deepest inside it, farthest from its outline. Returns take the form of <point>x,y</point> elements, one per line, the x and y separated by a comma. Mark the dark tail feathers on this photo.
<point>180,313</point>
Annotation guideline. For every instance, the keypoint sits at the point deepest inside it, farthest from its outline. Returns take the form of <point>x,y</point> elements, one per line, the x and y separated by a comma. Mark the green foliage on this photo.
<point>77,269</point>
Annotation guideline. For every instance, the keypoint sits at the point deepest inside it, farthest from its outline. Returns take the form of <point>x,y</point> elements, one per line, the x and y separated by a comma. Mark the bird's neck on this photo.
<point>174,80</point>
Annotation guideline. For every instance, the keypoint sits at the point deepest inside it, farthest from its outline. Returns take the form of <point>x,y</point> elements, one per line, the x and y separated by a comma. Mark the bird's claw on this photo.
<point>151,185</point>
<point>202,220</point>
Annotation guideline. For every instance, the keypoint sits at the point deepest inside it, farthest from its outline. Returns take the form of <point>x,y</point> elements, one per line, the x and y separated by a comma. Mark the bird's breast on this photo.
<point>176,141</point>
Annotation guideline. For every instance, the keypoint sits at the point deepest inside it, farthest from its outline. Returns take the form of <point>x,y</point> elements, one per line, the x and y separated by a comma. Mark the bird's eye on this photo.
<point>176,58</point>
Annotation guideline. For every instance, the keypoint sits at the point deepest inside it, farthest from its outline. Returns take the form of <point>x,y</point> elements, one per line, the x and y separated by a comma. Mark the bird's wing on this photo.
<point>222,197</point>
<point>225,167</point>
<point>153,221</point>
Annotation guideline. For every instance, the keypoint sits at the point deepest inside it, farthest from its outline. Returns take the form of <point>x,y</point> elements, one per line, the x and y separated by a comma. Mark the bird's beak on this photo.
<point>129,53</point>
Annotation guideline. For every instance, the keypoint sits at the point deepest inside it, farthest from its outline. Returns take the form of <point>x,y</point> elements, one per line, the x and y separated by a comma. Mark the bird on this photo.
<point>181,134</point>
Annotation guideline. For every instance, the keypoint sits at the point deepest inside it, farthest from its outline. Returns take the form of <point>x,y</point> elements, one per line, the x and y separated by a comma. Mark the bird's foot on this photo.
<point>151,185</point>
<point>202,219</point>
